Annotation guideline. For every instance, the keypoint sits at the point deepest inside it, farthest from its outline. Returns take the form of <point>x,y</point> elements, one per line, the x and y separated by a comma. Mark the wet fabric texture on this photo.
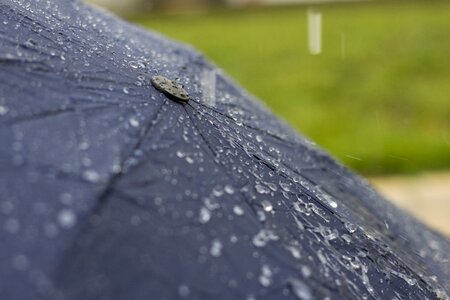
<point>109,189</point>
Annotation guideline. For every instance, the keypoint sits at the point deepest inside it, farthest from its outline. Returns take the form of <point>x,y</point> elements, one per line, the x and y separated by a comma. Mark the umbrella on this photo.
<point>133,168</point>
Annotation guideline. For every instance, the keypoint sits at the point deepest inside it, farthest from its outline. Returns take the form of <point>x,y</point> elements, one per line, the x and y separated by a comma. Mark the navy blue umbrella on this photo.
<point>132,168</point>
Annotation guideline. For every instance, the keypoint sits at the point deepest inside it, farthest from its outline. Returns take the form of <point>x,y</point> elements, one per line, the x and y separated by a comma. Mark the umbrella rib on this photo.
<point>249,202</point>
<point>243,124</point>
<point>267,164</point>
<point>213,152</point>
<point>108,189</point>
<point>331,212</point>
<point>50,113</point>
<point>48,169</point>
<point>109,186</point>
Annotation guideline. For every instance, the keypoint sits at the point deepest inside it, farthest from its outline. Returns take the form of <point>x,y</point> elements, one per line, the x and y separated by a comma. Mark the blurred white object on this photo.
<point>314,31</point>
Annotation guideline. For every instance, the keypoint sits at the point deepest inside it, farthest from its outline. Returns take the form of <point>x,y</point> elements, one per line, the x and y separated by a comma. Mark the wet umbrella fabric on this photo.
<point>111,190</point>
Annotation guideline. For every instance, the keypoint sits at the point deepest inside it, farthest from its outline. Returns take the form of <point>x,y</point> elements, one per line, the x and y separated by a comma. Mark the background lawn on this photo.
<point>378,97</point>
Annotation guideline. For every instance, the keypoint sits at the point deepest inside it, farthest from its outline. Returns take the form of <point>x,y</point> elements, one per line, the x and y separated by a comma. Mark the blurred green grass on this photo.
<point>378,97</point>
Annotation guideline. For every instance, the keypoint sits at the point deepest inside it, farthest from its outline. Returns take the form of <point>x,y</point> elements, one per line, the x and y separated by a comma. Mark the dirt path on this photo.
<point>427,196</point>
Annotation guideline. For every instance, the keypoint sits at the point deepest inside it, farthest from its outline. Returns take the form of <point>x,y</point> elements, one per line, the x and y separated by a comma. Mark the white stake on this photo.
<point>314,31</point>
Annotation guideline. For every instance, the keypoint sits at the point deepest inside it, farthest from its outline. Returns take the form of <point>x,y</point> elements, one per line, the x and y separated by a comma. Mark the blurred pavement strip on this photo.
<point>426,196</point>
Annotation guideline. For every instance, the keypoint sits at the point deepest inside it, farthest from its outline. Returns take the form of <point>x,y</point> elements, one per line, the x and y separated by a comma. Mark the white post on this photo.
<point>314,31</point>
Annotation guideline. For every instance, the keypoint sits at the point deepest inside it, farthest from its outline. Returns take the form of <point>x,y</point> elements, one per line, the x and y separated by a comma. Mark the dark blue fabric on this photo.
<point>110,190</point>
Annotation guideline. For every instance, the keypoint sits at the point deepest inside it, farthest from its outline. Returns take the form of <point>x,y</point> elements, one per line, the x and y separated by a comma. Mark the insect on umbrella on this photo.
<point>121,179</point>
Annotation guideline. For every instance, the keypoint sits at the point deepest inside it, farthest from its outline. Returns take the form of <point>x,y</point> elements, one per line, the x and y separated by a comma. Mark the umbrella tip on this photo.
<point>171,88</point>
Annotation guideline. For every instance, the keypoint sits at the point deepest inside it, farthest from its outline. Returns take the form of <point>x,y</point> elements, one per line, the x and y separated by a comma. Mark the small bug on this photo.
<point>170,88</point>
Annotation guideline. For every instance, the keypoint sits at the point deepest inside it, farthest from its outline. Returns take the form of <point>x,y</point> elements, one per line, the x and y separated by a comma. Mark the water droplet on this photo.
<point>300,289</point>
<point>294,251</point>
<point>3,110</point>
<point>133,64</point>
<point>50,230</point>
<point>267,206</point>
<point>263,237</point>
<point>259,139</point>
<point>229,189</point>
<point>265,279</point>
<point>20,262</point>
<point>262,189</point>
<point>66,198</point>
<point>216,248</point>
<point>350,227</point>
<point>306,271</point>
<point>261,215</point>
<point>91,175</point>
<point>12,225</point>
<point>333,204</point>
<point>205,215</point>
<point>6,207</point>
<point>66,218</point>
<point>238,210</point>
<point>285,186</point>
<point>217,191</point>
<point>83,145</point>
<point>184,291</point>
<point>134,122</point>
<point>126,90</point>
<point>411,281</point>
<point>272,186</point>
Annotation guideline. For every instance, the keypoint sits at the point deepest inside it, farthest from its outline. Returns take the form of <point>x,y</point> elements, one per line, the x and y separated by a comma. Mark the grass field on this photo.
<point>378,97</point>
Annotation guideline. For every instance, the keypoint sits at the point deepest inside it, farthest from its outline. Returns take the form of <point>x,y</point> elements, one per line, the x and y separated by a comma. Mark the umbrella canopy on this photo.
<point>112,188</point>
